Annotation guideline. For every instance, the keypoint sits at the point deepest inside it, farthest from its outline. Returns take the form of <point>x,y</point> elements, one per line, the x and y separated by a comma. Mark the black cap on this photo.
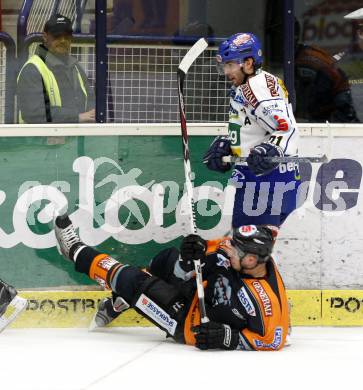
<point>58,24</point>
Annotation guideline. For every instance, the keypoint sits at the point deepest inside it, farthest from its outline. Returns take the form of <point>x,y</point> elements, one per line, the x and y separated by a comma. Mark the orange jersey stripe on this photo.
<point>214,245</point>
<point>275,316</point>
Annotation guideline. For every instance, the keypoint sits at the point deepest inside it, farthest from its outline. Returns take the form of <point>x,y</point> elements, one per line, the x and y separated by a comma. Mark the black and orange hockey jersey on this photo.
<point>257,307</point>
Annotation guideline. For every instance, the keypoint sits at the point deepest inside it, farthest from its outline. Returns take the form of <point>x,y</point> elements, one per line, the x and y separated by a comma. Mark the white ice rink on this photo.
<point>141,358</point>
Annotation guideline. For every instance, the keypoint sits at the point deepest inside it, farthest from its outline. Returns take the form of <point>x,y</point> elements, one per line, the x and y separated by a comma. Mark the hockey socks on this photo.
<point>98,266</point>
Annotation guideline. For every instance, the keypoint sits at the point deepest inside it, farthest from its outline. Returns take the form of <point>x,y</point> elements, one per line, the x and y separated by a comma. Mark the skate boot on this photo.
<point>107,311</point>
<point>68,242</point>
<point>11,305</point>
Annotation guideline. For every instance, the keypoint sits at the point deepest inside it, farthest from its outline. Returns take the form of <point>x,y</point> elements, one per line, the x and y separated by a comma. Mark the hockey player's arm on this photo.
<point>276,117</point>
<point>194,247</point>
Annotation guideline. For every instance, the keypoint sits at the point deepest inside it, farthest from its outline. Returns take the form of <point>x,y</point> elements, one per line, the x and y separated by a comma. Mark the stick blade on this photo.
<point>193,53</point>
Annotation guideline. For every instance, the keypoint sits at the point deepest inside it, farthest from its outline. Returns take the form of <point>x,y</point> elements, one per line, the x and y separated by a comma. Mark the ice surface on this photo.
<point>141,358</point>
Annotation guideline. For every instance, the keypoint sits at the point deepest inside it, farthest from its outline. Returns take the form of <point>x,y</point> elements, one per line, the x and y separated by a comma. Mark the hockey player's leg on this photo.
<point>68,242</point>
<point>164,266</point>
<point>152,297</point>
<point>11,305</point>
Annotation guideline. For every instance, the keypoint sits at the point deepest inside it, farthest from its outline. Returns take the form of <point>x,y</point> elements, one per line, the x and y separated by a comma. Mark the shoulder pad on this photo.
<point>263,86</point>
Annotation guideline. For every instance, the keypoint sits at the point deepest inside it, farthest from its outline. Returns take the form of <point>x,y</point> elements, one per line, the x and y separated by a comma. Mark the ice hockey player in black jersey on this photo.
<point>245,296</point>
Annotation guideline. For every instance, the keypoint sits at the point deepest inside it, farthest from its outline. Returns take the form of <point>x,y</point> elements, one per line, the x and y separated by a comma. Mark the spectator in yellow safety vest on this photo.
<point>52,86</point>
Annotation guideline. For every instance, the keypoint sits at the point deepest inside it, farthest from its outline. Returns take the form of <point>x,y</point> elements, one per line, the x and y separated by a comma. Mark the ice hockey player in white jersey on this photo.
<point>11,305</point>
<point>261,124</point>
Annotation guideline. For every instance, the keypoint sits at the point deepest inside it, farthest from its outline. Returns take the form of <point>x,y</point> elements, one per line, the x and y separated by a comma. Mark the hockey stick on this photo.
<point>322,159</point>
<point>192,54</point>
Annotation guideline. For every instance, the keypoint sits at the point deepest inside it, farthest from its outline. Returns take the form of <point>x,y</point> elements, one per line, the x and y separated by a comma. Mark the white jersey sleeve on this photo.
<point>273,112</point>
<point>260,112</point>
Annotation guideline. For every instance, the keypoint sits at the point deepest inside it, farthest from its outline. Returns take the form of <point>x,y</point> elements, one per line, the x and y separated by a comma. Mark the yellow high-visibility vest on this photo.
<point>50,83</point>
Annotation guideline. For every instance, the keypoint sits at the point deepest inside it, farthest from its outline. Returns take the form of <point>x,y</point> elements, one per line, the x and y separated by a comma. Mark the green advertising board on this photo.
<point>95,176</point>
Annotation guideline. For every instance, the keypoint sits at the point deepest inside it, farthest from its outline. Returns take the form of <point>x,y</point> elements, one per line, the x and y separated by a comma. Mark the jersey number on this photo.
<point>276,139</point>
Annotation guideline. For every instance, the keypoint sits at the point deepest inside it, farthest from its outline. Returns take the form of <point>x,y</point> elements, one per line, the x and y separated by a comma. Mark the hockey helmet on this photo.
<point>238,48</point>
<point>257,240</point>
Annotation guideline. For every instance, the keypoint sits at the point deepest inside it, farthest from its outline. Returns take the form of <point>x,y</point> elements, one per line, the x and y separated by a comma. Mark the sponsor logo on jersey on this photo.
<point>271,85</point>
<point>267,307</point>
<point>247,230</point>
<point>237,177</point>
<point>276,341</point>
<point>222,292</point>
<point>223,261</point>
<point>249,95</point>
<point>246,302</point>
<point>232,111</point>
<point>289,167</point>
<point>156,313</point>
<point>239,99</point>
<point>107,263</point>
<point>271,109</point>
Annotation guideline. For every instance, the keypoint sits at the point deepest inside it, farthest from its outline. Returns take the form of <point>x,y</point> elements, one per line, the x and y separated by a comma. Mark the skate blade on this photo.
<point>93,325</point>
<point>16,306</point>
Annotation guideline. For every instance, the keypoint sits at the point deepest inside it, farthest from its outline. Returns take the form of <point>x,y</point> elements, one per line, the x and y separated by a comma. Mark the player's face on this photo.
<point>233,72</point>
<point>248,262</point>
<point>236,72</point>
<point>59,44</point>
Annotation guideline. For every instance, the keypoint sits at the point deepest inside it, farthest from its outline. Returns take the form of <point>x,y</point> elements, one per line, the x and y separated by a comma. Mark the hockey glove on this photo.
<point>220,147</point>
<point>213,335</point>
<point>257,161</point>
<point>193,247</point>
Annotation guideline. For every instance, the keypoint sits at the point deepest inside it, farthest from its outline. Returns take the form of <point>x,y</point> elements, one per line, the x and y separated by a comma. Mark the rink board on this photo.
<point>67,309</point>
<point>124,188</point>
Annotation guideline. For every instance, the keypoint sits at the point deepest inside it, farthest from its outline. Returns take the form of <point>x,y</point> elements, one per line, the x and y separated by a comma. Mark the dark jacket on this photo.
<point>33,101</point>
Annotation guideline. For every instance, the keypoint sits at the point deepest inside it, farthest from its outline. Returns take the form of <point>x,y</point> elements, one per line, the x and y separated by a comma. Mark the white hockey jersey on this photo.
<point>260,112</point>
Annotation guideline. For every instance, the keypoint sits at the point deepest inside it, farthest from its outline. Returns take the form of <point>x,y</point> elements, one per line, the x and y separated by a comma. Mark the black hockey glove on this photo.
<point>257,162</point>
<point>193,247</point>
<point>220,147</point>
<point>213,335</point>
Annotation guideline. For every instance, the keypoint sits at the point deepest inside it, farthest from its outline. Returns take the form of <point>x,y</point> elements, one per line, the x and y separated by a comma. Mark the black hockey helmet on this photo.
<point>257,240</point>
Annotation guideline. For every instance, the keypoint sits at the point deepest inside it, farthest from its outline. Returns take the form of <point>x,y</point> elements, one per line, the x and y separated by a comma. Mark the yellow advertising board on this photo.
<point>67,309</point>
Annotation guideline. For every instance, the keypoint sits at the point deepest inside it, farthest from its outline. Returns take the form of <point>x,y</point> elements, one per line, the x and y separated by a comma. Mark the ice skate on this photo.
<point>107,311</point>
<point>11,305</point>
<point>68,242</point>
